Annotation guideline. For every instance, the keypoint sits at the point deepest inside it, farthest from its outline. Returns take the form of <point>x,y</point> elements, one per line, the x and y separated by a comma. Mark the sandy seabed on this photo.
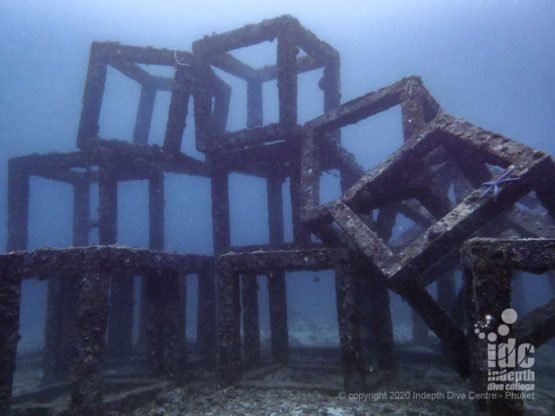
<point>418,389</point>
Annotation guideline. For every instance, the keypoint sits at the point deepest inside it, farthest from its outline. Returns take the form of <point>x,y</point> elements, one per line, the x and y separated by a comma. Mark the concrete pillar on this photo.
<point>487,294</point>
<point>229,325</point>
<point>92,97</point>
<point>348,316</point>
<point>10,277</point>
<point>18,207</point>
<point>10,293</point>
<point>179,106</point>
<point>287,79</point>
<point>92,321</point>
<point>254,104</point>
<point>144,115</point>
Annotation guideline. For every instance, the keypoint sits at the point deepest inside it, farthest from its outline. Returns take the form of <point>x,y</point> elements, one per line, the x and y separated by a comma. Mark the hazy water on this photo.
<point>492,63</point>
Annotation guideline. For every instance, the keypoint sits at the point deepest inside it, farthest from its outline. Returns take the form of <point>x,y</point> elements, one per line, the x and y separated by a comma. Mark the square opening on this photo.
<point>159,121</point>
<point>374,139</point>
<point>132,112</point>
<point>270,100</point>
<point>248,206</point>
<point>401,316</point>
<point>312,309</point>
<point>237,113</point>
<point>119,106</point>
<point>330,186</point>
<point>133,215</point>
<point>531,291</point>
<point>32,325</point>
<point>257,55</point>
<point>309,99</point>
<point>50,213</point>
<point>410,174</point>
<point>188,222</point>
<point>252,56</point>
<point>311,102</point>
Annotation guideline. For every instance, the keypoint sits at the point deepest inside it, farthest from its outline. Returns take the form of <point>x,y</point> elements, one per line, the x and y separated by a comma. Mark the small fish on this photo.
<point>316,279</point>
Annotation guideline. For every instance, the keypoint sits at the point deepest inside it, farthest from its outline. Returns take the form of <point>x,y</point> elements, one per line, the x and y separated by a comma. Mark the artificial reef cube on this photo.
<point>130,61</point>
<point>402,177</point>
<point>214,51</point>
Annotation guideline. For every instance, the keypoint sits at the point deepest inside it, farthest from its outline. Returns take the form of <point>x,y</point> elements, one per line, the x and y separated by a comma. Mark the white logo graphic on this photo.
<point>509,364</point>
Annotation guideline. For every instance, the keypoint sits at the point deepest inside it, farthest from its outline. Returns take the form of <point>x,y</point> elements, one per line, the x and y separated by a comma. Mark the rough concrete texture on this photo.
<point>439,152</point>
